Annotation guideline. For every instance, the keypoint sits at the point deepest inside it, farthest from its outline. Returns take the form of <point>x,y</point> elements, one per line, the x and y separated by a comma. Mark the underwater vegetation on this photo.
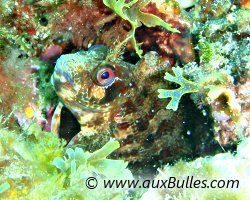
<point>117,89</point>
<point>223,166</point>
<point>136,18</point>
<point>33,161</point>
<point>186,87</point>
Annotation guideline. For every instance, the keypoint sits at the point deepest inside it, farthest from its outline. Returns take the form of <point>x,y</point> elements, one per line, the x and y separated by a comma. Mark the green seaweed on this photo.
<point>77,166</point>
<point>85,163</point>
<point>3,187</point>
<point>44,85</point>
<point>206,50</point>
<point>9,37</point>
<point>3,40</point>
<point>136,18</point>
<point>33,160</point>
<point>186,86</point>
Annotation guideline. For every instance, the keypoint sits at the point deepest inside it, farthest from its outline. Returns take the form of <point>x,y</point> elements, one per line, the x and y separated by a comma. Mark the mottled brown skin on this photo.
<point>128,109</point>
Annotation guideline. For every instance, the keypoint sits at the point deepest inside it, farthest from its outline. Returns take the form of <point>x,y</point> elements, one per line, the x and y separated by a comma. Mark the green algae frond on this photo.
<point>34,165</point>
<point>186,86</point>
<point>136,18</point>
<point>3,187</point>
<point>78,165</point>
<point>206,50</point>
<point>45,88</point>
<point>84,163</point>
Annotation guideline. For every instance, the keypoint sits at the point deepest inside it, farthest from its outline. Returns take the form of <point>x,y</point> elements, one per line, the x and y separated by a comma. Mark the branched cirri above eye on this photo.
<point>104,75</point>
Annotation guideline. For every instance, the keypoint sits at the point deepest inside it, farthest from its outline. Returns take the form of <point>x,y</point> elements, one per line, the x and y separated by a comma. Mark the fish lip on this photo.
<point>62,61</point>
<point>65,75</point>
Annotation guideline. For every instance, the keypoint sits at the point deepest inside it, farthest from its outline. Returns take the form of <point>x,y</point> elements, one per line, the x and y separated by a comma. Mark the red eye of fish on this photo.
<point>105,75</point>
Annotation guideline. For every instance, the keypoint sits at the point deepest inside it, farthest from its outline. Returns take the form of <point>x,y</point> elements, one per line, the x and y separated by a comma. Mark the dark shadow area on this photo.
<point>198,128</point>
<point>69,125</point>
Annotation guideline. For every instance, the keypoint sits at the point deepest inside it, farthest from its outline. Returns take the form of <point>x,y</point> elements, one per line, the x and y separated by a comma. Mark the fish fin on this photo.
<point>56,119</point>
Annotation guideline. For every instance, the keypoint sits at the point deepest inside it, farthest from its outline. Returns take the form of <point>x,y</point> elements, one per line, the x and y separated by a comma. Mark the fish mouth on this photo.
<point>65,75</point>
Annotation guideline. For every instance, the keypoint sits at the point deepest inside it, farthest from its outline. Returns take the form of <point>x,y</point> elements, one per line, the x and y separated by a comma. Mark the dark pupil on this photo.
<point>105,75</point>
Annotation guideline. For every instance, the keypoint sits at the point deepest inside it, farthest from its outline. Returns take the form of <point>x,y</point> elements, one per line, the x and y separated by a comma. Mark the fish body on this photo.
<point>113,98</point>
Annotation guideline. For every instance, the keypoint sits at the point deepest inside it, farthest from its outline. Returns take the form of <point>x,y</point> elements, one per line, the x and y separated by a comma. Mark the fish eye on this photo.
<point>104,75</point>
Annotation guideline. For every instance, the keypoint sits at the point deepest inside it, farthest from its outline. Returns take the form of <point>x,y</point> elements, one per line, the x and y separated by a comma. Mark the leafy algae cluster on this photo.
<point>133,14</point>
<point>35,166</point>
<point>221,69</point>
<point>223,51</point>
